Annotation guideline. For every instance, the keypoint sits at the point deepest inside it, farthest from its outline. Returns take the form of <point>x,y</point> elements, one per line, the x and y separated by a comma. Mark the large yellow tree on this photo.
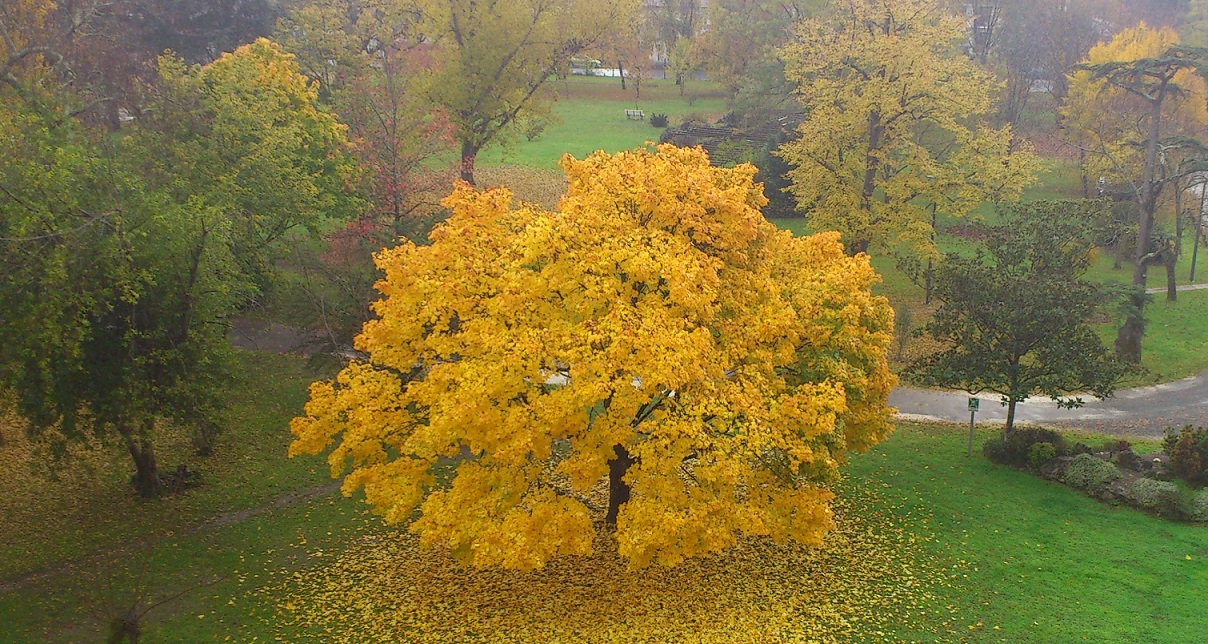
<point>654,334</point>
<point>893,124</point>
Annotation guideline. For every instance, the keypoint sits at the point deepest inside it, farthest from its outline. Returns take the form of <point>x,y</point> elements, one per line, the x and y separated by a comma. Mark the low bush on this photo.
<point>1015,449</point>
<point>1163,497</point>
<point>1087,472</point>
<point>1128,460</point>
<point>1188,452</point>
<point>1081,448</point>
<point>1199,506</point>
<point>1041,453</point>
<point>658,120</point>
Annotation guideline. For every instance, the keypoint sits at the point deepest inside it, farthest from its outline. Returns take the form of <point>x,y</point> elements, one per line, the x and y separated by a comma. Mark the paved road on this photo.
<point>1144,411</point>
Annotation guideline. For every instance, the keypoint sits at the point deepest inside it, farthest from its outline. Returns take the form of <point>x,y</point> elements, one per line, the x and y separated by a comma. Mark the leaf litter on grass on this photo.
<point>870,581</point>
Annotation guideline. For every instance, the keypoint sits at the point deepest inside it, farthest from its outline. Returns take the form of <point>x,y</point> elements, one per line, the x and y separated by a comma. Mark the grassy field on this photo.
<point>591,112</point>
<point>931,546</point>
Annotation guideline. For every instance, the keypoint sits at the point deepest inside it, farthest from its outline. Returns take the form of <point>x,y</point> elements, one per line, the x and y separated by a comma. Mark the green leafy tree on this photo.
<point>246,134</point>
<point>492,62</point>
<point>122,255</point>
<point>743,35</point>
<point>1014,319</point>
<point>109,297</point>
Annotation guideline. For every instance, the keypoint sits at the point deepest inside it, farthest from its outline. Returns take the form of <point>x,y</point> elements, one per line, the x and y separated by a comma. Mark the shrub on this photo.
<point>1041,453</point>
<point>1199,506</point>
<point>1163,497</point>
<point>534,129</point>
<point>1128,460</point>
<point>1087,472</point>
<point>658,120</point>
<point>1015,449</point>
<point>1081,448</point>
<point>1187,452</point>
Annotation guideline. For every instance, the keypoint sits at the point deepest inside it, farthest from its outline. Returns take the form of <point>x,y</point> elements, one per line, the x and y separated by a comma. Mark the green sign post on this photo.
<point>974,403</point>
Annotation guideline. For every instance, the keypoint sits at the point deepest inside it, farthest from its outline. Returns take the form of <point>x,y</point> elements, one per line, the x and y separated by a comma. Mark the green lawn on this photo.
<point>1037,562</point>
<point>592,114</point>
<point>988,547</point>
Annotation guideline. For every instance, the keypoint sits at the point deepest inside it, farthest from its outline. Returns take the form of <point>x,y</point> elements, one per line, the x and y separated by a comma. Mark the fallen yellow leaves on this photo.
<point>868,582</point>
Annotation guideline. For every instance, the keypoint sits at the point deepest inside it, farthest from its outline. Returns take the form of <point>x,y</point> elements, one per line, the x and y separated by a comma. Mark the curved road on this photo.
<point>1143,411</point>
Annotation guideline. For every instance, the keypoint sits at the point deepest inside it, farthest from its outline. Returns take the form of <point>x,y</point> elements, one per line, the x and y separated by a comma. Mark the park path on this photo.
<point>1182,287</point>
<point>1141,411</point>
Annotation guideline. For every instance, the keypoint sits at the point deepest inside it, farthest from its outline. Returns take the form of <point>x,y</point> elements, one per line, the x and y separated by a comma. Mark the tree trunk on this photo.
<point>1128,339</point>
<point>146,473</point>
<point>204,435</point>
<point>618,489</point>
<point>469,152</point>
<point>1195,250</point>
<point>127,628</point>
<point>1086,189</point>
<point>1006,431</point>
<point>1170,259</point>
<point>1178,219</point>
<point>621,73</point>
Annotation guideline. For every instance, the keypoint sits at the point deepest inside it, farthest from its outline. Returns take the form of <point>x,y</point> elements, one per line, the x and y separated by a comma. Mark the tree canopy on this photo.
<point>654,330</point>
<point>1015,320</point>
<point>123,255</point>
<point>492,61</point>
<point>892,124</point>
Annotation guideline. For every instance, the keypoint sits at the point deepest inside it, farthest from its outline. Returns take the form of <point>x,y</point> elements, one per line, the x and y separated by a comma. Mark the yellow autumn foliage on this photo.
<point>655,310</point>
<point>895,122</point>
<point>1108,122</point>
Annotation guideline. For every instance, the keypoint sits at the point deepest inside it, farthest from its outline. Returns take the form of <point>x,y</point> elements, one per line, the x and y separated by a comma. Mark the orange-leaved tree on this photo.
<point>655,332</point>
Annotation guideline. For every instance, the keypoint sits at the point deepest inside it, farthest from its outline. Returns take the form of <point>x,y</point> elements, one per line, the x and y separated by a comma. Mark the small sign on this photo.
<point>974,403</point>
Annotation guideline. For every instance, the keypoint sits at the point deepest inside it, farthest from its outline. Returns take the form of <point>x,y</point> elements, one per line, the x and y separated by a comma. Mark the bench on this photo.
<point>635,114</point>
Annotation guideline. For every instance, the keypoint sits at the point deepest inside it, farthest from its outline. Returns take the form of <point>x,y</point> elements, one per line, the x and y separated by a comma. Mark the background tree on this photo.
<point>370,72</point>
<point>492,61</point>
<point>1128,100</point>
<point>891,124</point>
<point>1193,31</point>
<point>657,331</point>
<point>1038,41</point>
<point>1014,319</point>
<point>198,30</point>
<point>123,257</point>
<point>745,34</point>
